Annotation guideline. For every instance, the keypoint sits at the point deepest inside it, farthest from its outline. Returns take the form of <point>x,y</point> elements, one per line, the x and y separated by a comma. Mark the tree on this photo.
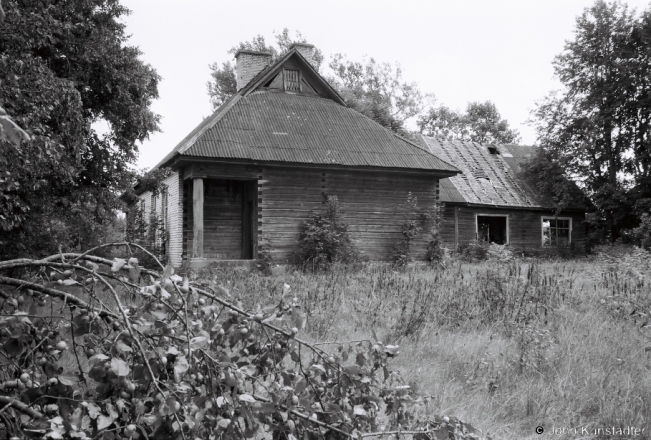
<point>223,84</point>
<point>376,90</point>
<point>548,181</point>
<point>480,123</point>
<point>63,67</point>
<point>597,126</point>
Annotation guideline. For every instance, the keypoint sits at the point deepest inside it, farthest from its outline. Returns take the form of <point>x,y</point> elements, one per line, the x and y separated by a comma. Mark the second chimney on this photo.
<point>248,64</point>
<point>307,50</point>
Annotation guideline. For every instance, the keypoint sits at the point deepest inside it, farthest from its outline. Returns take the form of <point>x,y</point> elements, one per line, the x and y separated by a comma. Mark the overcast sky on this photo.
<point>459,50</point>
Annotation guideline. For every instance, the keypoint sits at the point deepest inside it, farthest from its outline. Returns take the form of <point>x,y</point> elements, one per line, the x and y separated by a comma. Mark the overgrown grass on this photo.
<point>505,346</point>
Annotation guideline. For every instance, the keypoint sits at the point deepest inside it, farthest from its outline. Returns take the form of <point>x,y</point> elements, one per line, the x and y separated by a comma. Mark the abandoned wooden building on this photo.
<point>252,173</point>
<point>489,201</point>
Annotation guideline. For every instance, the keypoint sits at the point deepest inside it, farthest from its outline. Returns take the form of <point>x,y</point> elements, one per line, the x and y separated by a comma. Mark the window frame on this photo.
<point>300,81</point>
<point>542,230</point>
<point>508,225</point>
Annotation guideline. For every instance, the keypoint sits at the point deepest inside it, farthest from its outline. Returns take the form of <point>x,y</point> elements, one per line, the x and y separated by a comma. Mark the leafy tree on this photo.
<point>480,123</point>
<point>548,181</point>
<point>597,126</point>
<point>376,90</point>
<point>63,67</point>
<point>223,84</point>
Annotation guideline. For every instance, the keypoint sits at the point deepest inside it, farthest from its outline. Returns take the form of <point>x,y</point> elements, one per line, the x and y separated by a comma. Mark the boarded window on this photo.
<point>292,80</point>
<point>492,228</point>
<point>556,231</point>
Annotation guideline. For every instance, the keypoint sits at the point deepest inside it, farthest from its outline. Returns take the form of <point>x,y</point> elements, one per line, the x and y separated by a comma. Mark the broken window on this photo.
<point>492,228</point>
<point>556,231</point>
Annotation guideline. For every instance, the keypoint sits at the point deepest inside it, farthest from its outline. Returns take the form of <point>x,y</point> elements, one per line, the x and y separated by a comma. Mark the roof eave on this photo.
<point>183,160</point>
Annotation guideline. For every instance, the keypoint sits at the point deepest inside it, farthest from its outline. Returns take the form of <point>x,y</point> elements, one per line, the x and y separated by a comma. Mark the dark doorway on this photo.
<point>229,210</point>
<point>492,229</point>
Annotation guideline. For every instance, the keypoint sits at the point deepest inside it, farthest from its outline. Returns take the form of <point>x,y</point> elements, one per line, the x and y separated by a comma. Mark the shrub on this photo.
<point>435,252</point>
<point>498,252</point>
<point>642,234</point>
<point>325,240</point>
<point>474,251</point>
<point>94,348</point>
<point>414,221</point>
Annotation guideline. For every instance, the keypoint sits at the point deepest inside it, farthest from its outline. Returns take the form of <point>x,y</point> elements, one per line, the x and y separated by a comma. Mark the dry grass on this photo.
<point>504,346</point>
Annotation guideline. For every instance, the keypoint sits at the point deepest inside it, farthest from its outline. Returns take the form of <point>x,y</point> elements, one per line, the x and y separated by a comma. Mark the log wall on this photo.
<point>525,227</point>
<point>286,196</point>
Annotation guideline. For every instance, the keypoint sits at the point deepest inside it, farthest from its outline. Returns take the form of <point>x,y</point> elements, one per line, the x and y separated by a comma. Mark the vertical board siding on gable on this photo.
<point>524,227</point>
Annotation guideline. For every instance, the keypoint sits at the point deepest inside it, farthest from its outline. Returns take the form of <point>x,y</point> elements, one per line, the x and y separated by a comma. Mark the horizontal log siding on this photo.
<point>370,204</point>
<point>524,228</point>
<point>286,197</point>
<point>222,219</point>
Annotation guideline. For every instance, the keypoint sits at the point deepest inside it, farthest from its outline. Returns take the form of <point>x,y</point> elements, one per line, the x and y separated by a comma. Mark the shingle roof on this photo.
<point>485,178</point>
<point>267,125</point>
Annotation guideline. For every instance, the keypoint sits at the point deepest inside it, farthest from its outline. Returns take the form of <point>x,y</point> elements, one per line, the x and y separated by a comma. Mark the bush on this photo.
<point>498,252</point>
<point>97,348</point>
<point>474,251</point>
<point>435,252</point>
<point>325,240</point>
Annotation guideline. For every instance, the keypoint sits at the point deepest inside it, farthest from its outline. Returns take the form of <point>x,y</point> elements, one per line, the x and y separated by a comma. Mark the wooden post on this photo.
<point>456,227</point>
<point>197,214</point>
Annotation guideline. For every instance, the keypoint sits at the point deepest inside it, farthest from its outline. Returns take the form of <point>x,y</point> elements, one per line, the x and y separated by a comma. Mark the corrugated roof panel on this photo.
<point>295,128</point>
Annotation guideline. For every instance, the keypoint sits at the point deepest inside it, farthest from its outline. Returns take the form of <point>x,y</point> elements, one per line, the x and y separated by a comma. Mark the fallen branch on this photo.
<point>20,406</point>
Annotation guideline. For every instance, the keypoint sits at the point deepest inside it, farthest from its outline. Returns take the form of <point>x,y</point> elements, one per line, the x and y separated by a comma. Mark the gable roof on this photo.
<point>486,179</point>
<point>261,124</point>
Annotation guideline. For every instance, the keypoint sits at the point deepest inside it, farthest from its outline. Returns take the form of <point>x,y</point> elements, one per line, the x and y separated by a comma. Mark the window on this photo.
<point>292,80</point>
<point>493,228</point>
<point>556,231</point>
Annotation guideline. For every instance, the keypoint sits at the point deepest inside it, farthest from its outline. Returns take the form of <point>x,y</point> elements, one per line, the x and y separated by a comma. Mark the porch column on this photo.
<point>197,215</point>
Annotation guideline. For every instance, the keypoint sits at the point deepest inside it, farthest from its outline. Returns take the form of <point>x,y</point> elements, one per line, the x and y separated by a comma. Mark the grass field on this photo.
<point>506,346</point>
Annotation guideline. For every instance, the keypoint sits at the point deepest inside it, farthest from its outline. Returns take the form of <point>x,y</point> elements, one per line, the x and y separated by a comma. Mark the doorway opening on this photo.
<point>493,229</point>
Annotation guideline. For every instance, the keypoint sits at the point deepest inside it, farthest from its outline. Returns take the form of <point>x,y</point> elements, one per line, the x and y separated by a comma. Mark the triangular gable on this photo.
<point>310,82</point>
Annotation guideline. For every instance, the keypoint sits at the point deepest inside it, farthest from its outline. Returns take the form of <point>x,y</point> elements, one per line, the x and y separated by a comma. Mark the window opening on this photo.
<point>556,231</point>
<point>292,80</point>
<point>492,228</point>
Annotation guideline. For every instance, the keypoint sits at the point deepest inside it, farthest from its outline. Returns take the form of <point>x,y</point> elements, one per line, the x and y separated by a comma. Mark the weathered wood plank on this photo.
<point>197,215</point>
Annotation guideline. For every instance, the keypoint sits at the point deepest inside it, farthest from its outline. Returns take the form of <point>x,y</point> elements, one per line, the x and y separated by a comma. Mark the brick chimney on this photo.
<point>248,64</point>
<point>307,50</point>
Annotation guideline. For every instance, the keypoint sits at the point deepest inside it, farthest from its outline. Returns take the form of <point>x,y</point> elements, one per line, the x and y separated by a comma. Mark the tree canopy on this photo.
<point>597,125</point>
<point>481,122</point>
<point>65,66</point>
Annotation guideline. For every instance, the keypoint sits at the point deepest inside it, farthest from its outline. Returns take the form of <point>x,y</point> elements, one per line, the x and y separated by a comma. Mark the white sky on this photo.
<point>459,50</point>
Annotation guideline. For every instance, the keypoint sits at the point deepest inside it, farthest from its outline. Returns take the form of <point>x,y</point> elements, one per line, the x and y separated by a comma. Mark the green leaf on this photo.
<point>68,380</point>
<point>118,264</point>
<point>246,398</point>
<point>119,367</point>
<point>103,422</point>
